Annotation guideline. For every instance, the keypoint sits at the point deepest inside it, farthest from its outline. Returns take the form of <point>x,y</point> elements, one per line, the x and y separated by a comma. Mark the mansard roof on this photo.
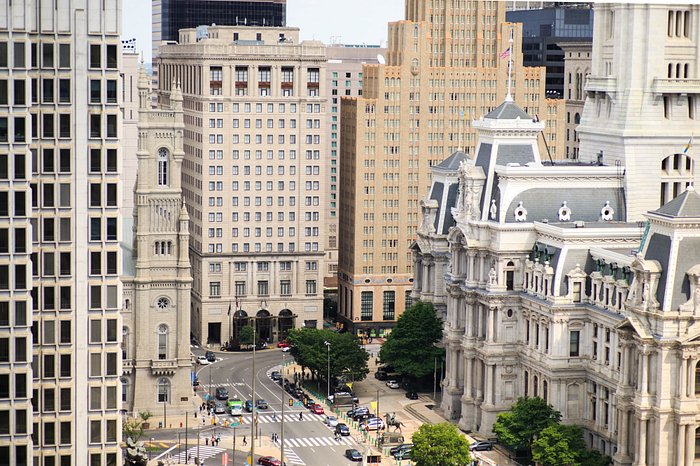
<point>451,163</point>
<point>687,205</point>
<point>508,111</point>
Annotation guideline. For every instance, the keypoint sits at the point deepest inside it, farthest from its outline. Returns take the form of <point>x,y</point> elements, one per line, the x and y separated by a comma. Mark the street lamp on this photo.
<point>328,380</point>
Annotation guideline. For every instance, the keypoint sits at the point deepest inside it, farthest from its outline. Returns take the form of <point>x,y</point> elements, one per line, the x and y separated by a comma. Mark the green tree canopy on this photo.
<point>308,346</point>
<point>519,427</point>
<point>559,445</point>
<point>245,336</point>
<point>410,348</point>
<point>440,445</point>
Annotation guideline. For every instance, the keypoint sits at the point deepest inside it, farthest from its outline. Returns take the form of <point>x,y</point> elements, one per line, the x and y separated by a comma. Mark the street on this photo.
<point>307,441</point>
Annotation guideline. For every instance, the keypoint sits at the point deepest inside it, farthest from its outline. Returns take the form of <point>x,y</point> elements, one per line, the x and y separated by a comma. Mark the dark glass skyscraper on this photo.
<point>169,16</point>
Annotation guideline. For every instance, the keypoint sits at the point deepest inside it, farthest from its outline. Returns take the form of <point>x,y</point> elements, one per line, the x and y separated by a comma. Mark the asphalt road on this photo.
<point>307,442</point>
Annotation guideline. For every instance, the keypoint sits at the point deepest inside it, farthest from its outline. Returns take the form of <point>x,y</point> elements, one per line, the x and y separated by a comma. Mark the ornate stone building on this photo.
<point>156,316</point>
<point>556,284</point>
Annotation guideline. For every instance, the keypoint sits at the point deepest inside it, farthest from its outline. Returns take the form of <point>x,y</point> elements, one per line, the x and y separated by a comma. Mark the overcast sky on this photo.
<point>354,21</point>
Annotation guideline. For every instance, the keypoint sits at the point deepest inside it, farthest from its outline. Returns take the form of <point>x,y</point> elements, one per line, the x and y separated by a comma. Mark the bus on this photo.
<point>235,407</point>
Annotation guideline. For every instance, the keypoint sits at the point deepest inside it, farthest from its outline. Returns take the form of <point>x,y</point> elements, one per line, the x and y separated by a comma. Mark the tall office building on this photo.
<point>253,177</point>
<point>169,16</point>
<point>543,29</point>
<point>60,261</point>
<point>344,79</point>
<point>446,65</point>
<point>577,67</point>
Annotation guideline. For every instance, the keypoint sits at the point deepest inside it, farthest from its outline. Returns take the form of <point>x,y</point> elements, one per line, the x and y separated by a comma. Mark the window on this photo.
<point>285,287</point>
<point>574,343</point>
<point>263,288</point>
<point>111,56</point>
<point>388,306</point>
<point>162,341</point>
<point>408,300</point>
<point>310,287</point>
<point>162,167</point>
<point>163,390</point>
<point>95,56</point>
<point>366,305</point>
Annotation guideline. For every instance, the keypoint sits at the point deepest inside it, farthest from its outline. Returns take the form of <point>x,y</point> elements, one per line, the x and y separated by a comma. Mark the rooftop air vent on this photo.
<point>579,224</point>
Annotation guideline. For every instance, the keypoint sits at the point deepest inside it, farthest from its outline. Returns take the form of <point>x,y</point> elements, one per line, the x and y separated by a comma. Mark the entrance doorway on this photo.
<point>214,333</point>
<point>285,322</point>
<point>263,325</point>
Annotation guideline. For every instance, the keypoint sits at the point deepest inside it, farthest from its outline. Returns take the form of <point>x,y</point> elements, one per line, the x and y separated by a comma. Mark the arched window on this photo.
<point>163,390</point>
<point>162,341</point>
<point>125,389</point>
<point>697,379</point>
<point>162,167</point>
<point>125,342</point>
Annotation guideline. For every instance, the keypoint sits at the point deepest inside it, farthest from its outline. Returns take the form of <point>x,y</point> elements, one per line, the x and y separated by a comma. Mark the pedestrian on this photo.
<point>245,442</point>
<point>206,441</point>
<point>301,415</point>
<point>274,417</point>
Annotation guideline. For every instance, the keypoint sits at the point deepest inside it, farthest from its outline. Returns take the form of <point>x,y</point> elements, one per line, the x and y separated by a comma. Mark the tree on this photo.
<point>519,427</point>
<point>245,335</point>
<point>410,348</point>
<point>133,427</point>
<point>345,354</point>
<point>559,445</point>
<point>440,445</point>
<point>595,458</point>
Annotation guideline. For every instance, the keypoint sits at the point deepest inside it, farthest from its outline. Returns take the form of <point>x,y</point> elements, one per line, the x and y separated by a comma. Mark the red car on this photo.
<point>283,344</point>
<point>269,461</point>
<point>317,409</point>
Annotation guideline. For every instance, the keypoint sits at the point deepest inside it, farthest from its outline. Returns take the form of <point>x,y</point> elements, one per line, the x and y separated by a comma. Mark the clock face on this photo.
<point>162,303</point>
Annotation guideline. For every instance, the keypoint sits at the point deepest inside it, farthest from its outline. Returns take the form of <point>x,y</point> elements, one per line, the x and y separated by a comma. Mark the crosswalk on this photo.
<point>292,458</point>
<point>204,453</point>
<point>270,419</point>
<point>318,442</point>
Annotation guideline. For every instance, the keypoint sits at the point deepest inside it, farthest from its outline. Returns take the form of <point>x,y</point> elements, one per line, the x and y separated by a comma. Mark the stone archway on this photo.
<point>285,322</point>
<point>240,320</point>
<point>263,325</point>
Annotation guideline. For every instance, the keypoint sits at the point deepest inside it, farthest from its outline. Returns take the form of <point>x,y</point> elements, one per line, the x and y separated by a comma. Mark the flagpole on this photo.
<point>509,98</point>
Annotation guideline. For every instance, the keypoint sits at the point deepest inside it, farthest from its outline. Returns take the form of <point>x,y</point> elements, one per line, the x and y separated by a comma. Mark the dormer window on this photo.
<point>163,167</point>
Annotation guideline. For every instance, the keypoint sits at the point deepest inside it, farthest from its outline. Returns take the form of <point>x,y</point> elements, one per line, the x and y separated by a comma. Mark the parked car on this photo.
<point>353,455</point>
<point>380,375</point>
<point>374,423</point>
<point>412,395</point>
<point>342,429</point>
<point>269,461</point>
<point>481,446</point>
<point>220,407</point>
<point>275,375</point>
<point>283,344</point>
<point>261,404</point>
<point>286,349</point>
<point>403,446</point>
<point>221,393</point>
<point>403,454</point>
<point>357,412</point>
<point>211,357</point>
<point>298,393</point>
<point>331,421</point>
<point>317,409</point>
<point>248,406</point>
<point>310,402</point>
<point>393,384</point>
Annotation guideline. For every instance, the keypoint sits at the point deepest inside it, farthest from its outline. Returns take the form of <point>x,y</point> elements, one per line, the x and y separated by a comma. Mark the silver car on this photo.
<point>331,421</point>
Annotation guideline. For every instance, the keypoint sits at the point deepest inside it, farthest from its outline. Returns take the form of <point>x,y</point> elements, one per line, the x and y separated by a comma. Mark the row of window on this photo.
<point>263,288</point>
<point>270,139</point>
<point>262,266</point>
<point>247,108</point>
<point>218,186</point>
<point>311,246</point>
<point>388,304</point>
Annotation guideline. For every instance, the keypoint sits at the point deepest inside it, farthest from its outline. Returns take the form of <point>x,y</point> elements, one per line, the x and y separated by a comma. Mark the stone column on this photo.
<point>690,385</point>
<point>642,443</point>
<point>683,382</point>
<point>470,319</point>
<point>479,379</point>
<point>490,321</point>
<point>680,451</point>
<point>468,377</point>
<point>624,431</point>
<point>488,384</point>
<point>690,445</point>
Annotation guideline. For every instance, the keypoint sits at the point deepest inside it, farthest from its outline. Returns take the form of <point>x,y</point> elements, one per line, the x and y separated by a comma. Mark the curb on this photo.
<point>409,409</point>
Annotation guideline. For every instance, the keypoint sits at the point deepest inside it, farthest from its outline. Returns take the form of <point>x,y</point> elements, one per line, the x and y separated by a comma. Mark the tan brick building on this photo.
<point>253,177</point>
<point>444,69</point>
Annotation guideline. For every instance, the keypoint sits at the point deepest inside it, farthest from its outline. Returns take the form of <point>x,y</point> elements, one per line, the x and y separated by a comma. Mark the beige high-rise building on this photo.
<point>60,260</point>
<point>445,67</point>
<point>344,79</point>
<point>253,177</point>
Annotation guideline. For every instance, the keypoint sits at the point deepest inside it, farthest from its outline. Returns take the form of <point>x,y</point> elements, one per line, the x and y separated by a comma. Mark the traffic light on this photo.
<point>291,402</point>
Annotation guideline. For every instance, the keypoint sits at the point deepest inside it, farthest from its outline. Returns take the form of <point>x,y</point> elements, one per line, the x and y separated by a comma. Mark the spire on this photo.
<point>509,97</point>
<point>176,96</point>
<point>144,88</point>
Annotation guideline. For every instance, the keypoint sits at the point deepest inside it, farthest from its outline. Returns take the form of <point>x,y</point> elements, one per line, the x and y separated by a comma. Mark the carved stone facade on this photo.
<point>158,281</point>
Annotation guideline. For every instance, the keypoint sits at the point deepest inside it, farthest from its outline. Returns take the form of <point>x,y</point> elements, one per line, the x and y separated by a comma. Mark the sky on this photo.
<point>354,21</point>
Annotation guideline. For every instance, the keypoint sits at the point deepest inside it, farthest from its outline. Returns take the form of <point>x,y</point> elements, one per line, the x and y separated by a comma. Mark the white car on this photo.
<point>331,421</point>
<point>203,360</point>
<point>393,384</point>
<point>286,349</point>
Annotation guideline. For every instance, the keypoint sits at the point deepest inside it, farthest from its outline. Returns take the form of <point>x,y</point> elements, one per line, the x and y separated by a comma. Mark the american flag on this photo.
<point>506,53</point>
